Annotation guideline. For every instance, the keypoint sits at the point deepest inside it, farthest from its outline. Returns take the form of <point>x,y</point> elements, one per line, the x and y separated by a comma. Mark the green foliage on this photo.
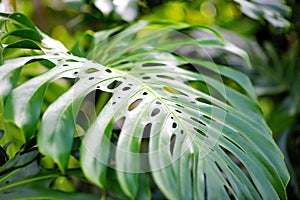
<point>191,126</point>
<point>275,12</point>
<point>272,11</point>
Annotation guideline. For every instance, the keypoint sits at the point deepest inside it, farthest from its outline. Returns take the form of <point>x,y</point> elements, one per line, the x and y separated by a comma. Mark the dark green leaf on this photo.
<point>19,18</point>
<point>32,183</point>
<point>24,44</point>
<point>25,33</point>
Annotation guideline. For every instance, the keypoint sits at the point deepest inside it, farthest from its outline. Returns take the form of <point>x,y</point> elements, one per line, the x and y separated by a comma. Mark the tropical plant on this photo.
<point>145,115</point>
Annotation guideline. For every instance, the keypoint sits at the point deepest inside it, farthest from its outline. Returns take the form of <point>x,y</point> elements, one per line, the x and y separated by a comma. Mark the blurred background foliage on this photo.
<point>273,46</point>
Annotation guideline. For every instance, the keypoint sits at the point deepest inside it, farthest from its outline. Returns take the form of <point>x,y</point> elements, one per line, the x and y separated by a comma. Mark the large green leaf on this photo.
<point>192,124</point>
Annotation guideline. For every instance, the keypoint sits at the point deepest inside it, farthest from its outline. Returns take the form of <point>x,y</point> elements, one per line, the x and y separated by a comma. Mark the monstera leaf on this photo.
<point>142,106</point>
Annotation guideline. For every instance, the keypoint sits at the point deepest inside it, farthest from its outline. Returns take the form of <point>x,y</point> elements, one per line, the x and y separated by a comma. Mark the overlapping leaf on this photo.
<point>194,125</point>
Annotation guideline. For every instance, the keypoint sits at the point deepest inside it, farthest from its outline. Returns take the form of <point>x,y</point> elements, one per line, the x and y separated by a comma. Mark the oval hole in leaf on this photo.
<point>153,65</point>
<point>198,121</point>
<point>172,143</point>
<point>91,70</point>
<point>126,88</point>
<point>199,131</point>
<point>147,130</point>
<point>108,70</point>
<point>114,84</point>
<point>178,111</point>
<point>173,91</point>
<point>207,117</point>
<point>203,100</point>
<point>134,104</point>
<point>179,105</point>
<point>146,77</point>
<point>165,77</point>
<point>71,60</point>
<point>174,125</point>
<point>155,112</point>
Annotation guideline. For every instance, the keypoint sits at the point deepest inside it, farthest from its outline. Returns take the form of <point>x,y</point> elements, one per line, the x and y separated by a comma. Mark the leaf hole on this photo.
<point>71,60</point>
<point>126,88</point>
<point>229,191</point>
<point>147,130</point>
<point>179,105</point>
<point>145,93</point>
<point>181,132</point>
<point>108,70</point>
<point>91,78</point>
<point>240,165</point>
<point>114,84</point>
<point>155,112</point>
<point>172,143</point>
<point>173,91</point>
<point>134,104</point>
<point>165,77</point>
<point>91,70</point>
<point>158,102</point>
<point>205,186</point>
<point>198,121</point>
<point>199,131</point>
<point>178,111</point>
<point>153,65</point>
<point>174,125</point>
<point>225,177</point>
<point>146,77</point>
<point>202,100</point>
<point>207,117</point>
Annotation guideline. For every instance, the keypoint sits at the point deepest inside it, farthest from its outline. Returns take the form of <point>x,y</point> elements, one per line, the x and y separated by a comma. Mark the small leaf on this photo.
<point>25,33</point>
<point>27,44</point>
<point>20,18</point>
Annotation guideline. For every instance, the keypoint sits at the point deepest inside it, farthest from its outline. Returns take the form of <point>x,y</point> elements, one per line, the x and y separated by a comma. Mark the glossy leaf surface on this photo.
<point>194,125</point>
